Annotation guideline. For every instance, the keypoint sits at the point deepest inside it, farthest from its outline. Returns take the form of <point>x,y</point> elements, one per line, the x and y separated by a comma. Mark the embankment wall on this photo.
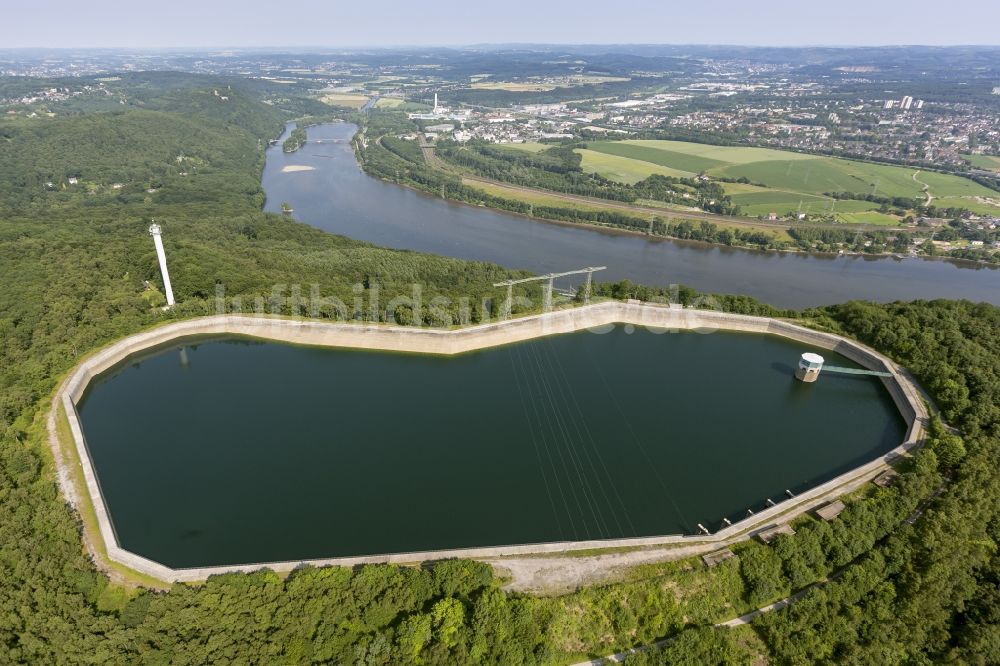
<point>595,317</point>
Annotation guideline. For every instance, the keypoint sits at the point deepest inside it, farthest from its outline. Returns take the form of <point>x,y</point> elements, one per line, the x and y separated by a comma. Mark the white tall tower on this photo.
<point>435,102</point>
<point>155,231</point>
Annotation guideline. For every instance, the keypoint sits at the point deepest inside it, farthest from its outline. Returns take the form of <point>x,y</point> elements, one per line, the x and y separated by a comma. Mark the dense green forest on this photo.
<point>77,270</point>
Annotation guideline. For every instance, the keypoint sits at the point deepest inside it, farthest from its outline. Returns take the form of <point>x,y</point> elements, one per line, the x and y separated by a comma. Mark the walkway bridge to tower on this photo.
<point>810,366</point>
<point>855,371</point>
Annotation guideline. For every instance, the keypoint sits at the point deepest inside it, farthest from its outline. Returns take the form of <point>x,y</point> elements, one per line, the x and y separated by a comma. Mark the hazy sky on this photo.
<point>335,23</point>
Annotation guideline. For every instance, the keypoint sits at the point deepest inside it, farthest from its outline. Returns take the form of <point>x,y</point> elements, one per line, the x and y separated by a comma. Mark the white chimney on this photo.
<point>155,231</point>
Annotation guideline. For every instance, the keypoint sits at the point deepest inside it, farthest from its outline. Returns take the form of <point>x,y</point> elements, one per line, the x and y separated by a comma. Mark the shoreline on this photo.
<point>620,231</point>
<point>615,230</point>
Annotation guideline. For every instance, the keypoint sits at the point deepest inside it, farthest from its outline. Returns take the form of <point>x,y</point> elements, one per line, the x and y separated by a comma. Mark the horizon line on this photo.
<point>491,45</point>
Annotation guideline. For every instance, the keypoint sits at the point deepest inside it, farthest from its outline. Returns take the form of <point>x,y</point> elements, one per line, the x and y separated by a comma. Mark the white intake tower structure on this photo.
<point>155,232</point>
<point>810,365</point>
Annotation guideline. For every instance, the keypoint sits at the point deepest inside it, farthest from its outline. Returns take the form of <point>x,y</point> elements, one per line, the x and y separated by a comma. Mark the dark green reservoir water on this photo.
<point>235,451</point>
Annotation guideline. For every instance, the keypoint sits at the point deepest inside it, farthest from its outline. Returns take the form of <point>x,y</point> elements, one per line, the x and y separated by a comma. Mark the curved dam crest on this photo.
<point>428,341</point>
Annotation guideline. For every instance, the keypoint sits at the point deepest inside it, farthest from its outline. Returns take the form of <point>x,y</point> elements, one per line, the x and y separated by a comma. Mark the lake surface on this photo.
<point>233,451</point>
<point>338,197</point>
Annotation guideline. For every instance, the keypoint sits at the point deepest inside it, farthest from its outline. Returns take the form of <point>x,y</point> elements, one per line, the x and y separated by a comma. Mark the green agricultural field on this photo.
<point>688,164</point>
<point>623,169</point>
<point>852,206</point>
<point>790,177</point>
<point>754,194</point>
<point>990,162</point>
<point>872,217</point>
<point>757,200</point>
<point>345,99</point>
<point>978,205</point>
<point>742,188</point>
<point>529,147</point>
<point>946,185</point>
<point>725,154</point>
<point>827,174</point>
<point>389,102</point>
<point>764,201</point>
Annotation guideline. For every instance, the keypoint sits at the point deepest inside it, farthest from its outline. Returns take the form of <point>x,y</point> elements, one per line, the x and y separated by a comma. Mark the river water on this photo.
<point>337,196</point>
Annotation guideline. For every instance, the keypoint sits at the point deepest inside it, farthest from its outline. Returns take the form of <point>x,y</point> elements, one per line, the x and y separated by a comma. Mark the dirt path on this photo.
<point>562,574</point>
<point>924,187</point>
<point>777,605</point>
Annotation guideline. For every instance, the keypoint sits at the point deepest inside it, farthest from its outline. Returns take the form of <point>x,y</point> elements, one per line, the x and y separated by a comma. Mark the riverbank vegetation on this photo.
<point>296,139</point>
<point>389,151</point>
<point>74,263</point>
<point>558,169</point>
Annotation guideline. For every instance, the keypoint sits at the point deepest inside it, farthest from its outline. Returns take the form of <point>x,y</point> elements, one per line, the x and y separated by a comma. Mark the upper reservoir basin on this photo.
<point>230,451</point>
